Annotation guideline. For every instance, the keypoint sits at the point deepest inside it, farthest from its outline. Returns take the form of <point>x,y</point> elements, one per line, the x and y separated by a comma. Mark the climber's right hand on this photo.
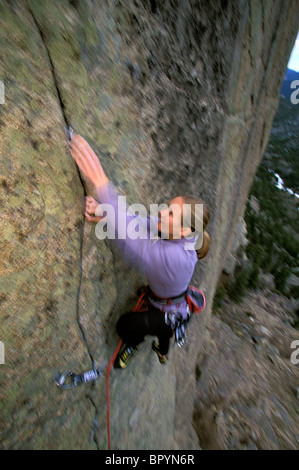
<point>90,209</point>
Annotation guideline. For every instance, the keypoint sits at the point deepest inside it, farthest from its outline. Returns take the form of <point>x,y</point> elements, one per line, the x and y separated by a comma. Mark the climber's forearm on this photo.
<point>102,182</point>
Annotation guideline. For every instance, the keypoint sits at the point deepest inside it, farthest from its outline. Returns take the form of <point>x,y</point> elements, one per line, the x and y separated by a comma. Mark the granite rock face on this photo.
<point>176,97</point>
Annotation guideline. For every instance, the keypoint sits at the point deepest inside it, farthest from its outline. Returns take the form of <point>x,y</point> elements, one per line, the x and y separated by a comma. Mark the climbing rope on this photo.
<point>70,380</point>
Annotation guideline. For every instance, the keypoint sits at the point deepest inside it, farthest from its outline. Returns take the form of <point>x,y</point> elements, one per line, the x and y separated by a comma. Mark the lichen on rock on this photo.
<point>175,97</point>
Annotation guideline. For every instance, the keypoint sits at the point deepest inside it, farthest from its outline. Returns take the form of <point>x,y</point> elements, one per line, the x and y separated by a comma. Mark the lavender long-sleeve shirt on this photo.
<point>167,264</point>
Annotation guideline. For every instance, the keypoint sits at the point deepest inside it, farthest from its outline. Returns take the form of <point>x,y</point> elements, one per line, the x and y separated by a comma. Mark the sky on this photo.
<point>294,58</point>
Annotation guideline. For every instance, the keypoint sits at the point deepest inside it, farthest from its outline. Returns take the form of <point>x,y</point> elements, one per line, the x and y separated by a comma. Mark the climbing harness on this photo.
<point>195,299</point>
<point>179,323</point>
<point>165,301</point>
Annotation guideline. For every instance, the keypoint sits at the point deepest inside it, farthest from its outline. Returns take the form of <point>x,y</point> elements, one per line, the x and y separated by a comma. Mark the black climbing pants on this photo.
<point>132,327</point>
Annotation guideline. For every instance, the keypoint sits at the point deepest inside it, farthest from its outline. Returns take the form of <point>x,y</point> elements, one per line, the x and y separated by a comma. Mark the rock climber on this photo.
<point>167,260</point>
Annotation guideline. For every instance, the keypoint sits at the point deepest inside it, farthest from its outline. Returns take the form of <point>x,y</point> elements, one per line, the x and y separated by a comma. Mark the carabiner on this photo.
<point>61,381</point>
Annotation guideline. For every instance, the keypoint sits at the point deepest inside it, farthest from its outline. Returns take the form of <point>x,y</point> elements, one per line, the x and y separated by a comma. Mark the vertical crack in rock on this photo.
<point>51,67</point>
<point>62,107</point>
<point>95,426</point>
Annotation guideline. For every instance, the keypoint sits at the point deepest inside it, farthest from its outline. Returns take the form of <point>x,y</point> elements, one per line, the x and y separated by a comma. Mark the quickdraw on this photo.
<point>179,325</point>
<point>69,380</point>
<point>91,376</point>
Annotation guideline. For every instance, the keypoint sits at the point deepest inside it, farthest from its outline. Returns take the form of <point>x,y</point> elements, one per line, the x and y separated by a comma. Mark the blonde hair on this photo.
<point>193,201</point>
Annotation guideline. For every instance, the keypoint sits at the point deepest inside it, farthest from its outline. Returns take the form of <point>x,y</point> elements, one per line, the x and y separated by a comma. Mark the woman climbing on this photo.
<point>168,260</point>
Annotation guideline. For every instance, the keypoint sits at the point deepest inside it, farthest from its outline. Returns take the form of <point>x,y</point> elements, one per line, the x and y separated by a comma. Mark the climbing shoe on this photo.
<point>156,348</point>
<point>125,356</point>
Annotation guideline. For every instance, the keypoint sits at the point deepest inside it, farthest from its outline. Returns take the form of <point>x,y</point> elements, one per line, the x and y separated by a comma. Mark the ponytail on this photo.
<point>193,200</point>
<point>203,251</point>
